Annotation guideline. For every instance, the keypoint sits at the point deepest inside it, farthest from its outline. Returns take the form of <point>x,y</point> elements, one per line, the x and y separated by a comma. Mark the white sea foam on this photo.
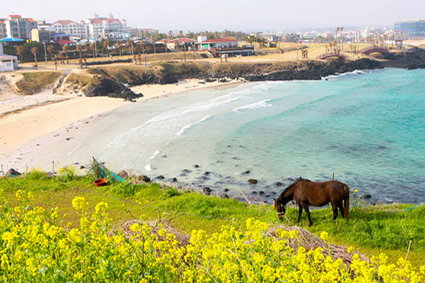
<point>154,154</point>
<point>183,129</point>
<point>148,167</point>
<point>355,72</point>
<point>260,104</point>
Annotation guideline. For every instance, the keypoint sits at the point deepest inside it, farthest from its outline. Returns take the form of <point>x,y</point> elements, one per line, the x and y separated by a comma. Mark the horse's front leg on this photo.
<point>300,210</point>
<point>305,206</point>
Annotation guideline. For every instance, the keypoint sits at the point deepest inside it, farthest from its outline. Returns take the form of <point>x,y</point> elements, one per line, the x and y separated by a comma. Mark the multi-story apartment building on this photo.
<point>3,32</point>
<point>411,28</point>
<point>16,26</point>
<point>106,27</point>
<point>72,28</point>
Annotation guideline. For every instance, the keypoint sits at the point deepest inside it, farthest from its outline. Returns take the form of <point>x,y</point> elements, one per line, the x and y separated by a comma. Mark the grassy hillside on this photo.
<point>33,82</point>
<point>371,229</point>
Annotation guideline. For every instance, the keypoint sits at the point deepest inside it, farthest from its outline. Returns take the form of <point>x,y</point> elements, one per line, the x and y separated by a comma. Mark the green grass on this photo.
<point>34,82</point>
<point>371,229</point>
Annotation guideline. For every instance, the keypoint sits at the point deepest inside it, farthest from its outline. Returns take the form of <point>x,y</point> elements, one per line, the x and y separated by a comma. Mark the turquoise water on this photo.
<point>366,128</point>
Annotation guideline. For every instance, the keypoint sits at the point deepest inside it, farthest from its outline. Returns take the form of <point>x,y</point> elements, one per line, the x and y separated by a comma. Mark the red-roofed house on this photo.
<point>106,27</point>
<point>17,27</point>
<point>72,28</point>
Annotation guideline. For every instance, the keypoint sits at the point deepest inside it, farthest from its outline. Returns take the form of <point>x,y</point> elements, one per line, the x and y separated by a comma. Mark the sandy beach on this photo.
<point>26,118</point>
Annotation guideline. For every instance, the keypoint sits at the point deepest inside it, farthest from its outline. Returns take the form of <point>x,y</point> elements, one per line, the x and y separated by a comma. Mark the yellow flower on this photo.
<point>324,235</point>
<point>79,203</point>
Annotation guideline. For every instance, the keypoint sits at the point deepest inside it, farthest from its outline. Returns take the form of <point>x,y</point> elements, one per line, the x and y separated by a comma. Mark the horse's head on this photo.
<point>280,208</point>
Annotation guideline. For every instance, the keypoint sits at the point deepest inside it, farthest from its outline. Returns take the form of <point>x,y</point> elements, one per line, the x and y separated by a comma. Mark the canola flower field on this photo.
<point>36,245</point>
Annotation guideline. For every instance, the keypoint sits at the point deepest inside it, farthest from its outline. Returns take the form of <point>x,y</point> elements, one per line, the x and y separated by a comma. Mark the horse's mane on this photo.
<point>299,179</point>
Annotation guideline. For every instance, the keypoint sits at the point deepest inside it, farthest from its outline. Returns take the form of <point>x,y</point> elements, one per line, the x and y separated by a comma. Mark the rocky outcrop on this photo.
<point>413,58</point>
<point>111,88</point>
<point>314,70</point>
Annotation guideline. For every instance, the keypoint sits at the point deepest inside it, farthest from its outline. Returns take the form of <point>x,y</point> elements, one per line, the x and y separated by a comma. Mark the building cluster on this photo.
<point>15,26</point>
<point>411,29</point>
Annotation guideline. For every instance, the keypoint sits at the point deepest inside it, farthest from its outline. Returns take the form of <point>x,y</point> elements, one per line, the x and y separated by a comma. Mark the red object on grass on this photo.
<point>101,182</point>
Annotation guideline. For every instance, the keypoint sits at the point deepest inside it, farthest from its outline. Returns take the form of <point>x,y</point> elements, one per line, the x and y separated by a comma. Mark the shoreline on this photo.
<point>20,126</point>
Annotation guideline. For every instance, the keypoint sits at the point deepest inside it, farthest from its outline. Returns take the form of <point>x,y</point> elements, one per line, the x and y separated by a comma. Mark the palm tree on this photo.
<point>118,45</point>
<point>105,46</point>
<point>130,45</point>
<point>20,51</point>
<point>50,49</point>
<point>80,48</point>
<point>65,49</point>
<point>93,48</point>
<point>34,52</point>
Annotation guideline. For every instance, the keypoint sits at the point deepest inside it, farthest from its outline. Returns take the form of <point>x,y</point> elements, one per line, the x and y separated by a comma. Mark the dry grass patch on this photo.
<point>34,82</point>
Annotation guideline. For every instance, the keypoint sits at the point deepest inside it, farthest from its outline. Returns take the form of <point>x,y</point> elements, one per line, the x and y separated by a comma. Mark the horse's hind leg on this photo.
<point>335,210</point>
<point>341,209</point>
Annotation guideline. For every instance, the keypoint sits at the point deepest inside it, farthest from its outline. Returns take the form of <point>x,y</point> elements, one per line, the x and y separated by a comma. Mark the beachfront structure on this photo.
<point>99,27</point>
<point>7,62</point>
<point>40,35</point>
<point>227,47</point>
<point>17,27</point>
<point>79,30</point>
<point>182,44</point>
<point>413,29</point>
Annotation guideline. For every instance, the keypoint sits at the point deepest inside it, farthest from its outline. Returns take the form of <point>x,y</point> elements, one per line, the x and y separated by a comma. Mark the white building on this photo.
<point>106,27</point>
<point>79,30</point>
<point>17,27</point>
<point>7,62</point>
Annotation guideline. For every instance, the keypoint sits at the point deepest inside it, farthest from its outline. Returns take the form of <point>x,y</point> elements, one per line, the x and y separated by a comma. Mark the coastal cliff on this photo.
<point>114,81</point>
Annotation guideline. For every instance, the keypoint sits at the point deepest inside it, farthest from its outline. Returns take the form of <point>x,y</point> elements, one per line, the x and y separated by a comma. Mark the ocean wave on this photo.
<point>148,167</point>
<point>183,129</point>
<point>260,104</point>
<point>154,154</point>
<point>355,72</point>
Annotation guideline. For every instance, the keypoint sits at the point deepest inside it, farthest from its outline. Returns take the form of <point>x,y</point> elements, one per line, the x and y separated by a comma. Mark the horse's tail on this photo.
<point>346,204</point>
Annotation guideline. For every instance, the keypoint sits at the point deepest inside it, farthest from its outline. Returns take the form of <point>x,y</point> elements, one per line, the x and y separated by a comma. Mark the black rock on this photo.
<point>174,179</point>
<point>279,184</point>
<point>254,192</point>
<point>186,171</point>
<point>224,196</point>
<point>160,177</point>
<point>147,179</point>
<point>13,172</point>
<point>196,166</point>
<point>253,181</point>
<point>261,193</point>
<point>226,190</point>
<point>207,190</point>
<point>246,172</point>
<point>82,167</point>
<point>367,196</point>
<point>207,173</point>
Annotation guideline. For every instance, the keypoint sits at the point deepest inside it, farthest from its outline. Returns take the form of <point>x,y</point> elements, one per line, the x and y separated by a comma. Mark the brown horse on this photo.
<point>306,192</point>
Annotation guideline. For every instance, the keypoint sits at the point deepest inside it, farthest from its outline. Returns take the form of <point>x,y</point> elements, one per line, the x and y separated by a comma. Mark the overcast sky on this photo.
<point>247,15</point>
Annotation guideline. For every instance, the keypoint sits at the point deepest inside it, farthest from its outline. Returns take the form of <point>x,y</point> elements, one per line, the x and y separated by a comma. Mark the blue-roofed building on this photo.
<point>413,29</point>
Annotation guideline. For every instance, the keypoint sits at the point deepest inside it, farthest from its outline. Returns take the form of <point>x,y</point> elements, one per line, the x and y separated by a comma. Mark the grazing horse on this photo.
<point>306,192</point>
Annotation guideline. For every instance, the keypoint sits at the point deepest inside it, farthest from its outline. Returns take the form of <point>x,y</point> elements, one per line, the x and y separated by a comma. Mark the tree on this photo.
<point>65,49</point>
<point>20,52</point>
<point>130,45</point>
<point>34,52</point>
<point>105,46</point>
<point>50,49</point>
<point>118,45</point>
<point>93,48</point>
<point>80,49</point>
